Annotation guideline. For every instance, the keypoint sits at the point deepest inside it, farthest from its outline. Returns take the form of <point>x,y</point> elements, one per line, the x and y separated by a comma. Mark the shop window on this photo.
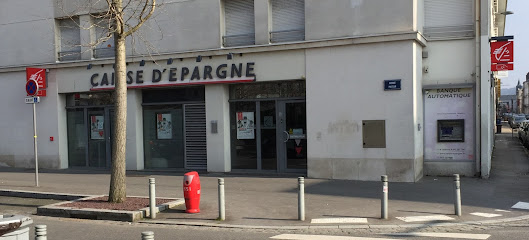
<point>243,134</point>
<point>452,130</point>
<point>70,39</point>
<point>163,135</point>
<point>287,89</point>
<point>448,19</point>
<point>90,99</point>
<point>77,138</point>
<point>104,40</point>
<point>193,94</point>
<point>288,20</point>
<point>239,23</point>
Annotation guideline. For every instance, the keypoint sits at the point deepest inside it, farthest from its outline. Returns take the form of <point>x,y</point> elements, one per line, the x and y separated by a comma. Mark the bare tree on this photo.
<point>121,28</point>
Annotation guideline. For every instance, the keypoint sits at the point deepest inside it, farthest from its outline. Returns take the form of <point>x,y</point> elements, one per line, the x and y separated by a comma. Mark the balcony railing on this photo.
<point>238,40</point>
<point>107,52</point>
<point>287,35</point>
<point>69,55</point>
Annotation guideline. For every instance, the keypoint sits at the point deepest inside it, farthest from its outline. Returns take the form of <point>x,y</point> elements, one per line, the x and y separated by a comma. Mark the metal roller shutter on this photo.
<point>239,22</point>
<point>288,20</point>
<point>195,137</point>
<point>70,39</point>
<point>448,18</point>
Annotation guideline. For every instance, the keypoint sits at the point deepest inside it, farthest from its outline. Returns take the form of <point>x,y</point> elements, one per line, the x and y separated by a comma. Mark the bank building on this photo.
<point>335,89</point>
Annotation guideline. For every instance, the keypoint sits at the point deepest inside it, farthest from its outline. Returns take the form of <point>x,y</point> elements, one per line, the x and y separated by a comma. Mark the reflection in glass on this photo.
<point>163,136</point>
<point>296,146</point>
<point>244,151</point>
<point>76,138</point>
<point>268,135</point>
<point>96,139</point>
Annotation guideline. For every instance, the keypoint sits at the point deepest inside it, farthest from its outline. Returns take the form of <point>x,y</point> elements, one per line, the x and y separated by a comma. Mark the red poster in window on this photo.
<point>501,52</point>
<point>39,75</point>
<point>502,67</point>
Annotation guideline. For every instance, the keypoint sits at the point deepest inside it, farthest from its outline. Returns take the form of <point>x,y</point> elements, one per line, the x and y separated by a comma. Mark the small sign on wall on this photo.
<point>391,84</point>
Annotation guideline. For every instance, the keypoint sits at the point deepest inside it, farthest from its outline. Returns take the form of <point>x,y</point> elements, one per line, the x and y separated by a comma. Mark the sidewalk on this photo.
<point>272,200</point>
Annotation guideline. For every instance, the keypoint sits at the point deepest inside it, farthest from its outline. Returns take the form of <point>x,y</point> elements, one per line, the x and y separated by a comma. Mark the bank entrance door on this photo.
<point>100,123</point>
<point>292,136</point>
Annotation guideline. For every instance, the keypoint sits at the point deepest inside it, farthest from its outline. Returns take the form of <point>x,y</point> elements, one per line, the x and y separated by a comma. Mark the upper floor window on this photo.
<point>104,41</point>
<point>448,19</point>
<point>239,23</point>
<point>288,20</point>
<point>70,39</point>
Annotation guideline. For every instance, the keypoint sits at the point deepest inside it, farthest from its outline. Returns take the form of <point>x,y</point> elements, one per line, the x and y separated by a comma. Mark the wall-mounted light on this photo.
<point>199,58</point>
<point>142,63</point>
<point>89,66</point>
<point>169,61</point>
<point>505,13</point>
<point>229,56</point>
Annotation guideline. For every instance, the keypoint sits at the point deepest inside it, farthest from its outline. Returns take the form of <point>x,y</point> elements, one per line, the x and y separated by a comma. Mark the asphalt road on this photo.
<point>79,229</point>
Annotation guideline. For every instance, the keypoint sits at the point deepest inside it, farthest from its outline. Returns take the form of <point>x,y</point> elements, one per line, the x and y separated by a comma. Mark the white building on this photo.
<point>343,89</point>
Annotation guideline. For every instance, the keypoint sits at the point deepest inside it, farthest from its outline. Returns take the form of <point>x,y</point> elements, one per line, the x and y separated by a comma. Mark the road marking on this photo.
<point>521,205</point>
<point>501,210</point>
<point>339,220</point>
<point>487,215</point>
<point>425,218</point>
<point>323,237</point>
<point>442,235</point>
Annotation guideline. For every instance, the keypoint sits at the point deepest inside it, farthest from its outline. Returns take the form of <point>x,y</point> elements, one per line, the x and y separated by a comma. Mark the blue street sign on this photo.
<point>32,88</point>
<point>392,84</point>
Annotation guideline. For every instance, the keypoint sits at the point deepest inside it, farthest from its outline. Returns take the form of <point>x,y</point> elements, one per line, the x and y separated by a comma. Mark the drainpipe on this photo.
<point>477,28</point>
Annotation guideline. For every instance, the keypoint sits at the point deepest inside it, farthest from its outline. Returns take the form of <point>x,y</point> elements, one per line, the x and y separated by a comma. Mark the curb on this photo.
<point>71,197</point>
<point>366,226</point>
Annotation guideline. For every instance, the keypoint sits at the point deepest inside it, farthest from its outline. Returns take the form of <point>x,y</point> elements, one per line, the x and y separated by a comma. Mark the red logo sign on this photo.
<point>502,51</point>
<point>502,67</point>
<point>38,75</point>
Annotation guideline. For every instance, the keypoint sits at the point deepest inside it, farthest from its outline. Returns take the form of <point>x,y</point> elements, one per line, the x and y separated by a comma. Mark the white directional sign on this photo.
<point>32,99</point>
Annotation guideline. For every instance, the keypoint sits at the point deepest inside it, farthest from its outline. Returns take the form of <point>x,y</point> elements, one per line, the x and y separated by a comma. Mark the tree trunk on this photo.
<point>117,191</point>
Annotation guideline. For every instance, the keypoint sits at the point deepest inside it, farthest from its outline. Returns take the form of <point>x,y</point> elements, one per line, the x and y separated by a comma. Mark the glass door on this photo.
<point>292,136</point>
<point>97,144</point>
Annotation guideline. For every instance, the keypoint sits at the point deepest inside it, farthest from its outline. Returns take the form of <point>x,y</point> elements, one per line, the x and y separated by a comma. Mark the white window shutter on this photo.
<point>448,18</point>
<point>239,22</point>
<point>70,39</point>
<point>288,20</point>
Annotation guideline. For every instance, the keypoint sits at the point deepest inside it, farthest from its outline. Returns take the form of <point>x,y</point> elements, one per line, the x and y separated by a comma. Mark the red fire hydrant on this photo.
<point>192,192</point>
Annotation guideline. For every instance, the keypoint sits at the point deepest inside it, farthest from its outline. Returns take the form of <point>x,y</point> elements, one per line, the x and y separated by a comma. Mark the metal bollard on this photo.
<point>152,198</point>
<point>384,204</point>
<point>457,203</point>
<point>301,199</point>
<point>40,232</point>
<point>147,235</point>
<point>222,203</point>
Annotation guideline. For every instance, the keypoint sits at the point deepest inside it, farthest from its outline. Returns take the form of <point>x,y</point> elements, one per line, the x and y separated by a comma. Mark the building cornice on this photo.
<point>273,47</point>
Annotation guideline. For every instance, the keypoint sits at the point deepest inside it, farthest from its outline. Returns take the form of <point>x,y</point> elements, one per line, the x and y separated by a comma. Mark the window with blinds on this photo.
<point>448,19</point>
<point>288,20</point>
<point>239,22</point>
<point>70,39</point>
<point>105,43</point>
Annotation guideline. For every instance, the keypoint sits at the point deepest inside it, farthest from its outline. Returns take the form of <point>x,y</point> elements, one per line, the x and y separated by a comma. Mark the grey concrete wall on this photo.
<point>135,157</point>
<point>218,144</point>
<point>30,27</point>
<point>16,124</point>
<point>418,110</point>
<point>450,62</point>
<point>344,87</point>
<point>344,18</point>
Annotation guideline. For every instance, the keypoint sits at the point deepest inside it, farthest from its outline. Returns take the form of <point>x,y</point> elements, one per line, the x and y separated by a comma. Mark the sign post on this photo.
<point>35,79</point>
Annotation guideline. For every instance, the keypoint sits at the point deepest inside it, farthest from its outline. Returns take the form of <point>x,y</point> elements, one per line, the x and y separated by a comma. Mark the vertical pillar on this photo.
<point>218,144</point>
<point>134,130</point>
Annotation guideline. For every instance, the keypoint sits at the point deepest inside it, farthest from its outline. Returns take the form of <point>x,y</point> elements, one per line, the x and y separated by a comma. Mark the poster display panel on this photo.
<point>245,125</point>
<point>449,124</point>
<point>97,130</point>
<point>164,126</point>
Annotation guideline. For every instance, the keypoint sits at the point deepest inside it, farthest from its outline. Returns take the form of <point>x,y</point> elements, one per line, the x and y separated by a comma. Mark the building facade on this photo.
<point>341,89</point>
